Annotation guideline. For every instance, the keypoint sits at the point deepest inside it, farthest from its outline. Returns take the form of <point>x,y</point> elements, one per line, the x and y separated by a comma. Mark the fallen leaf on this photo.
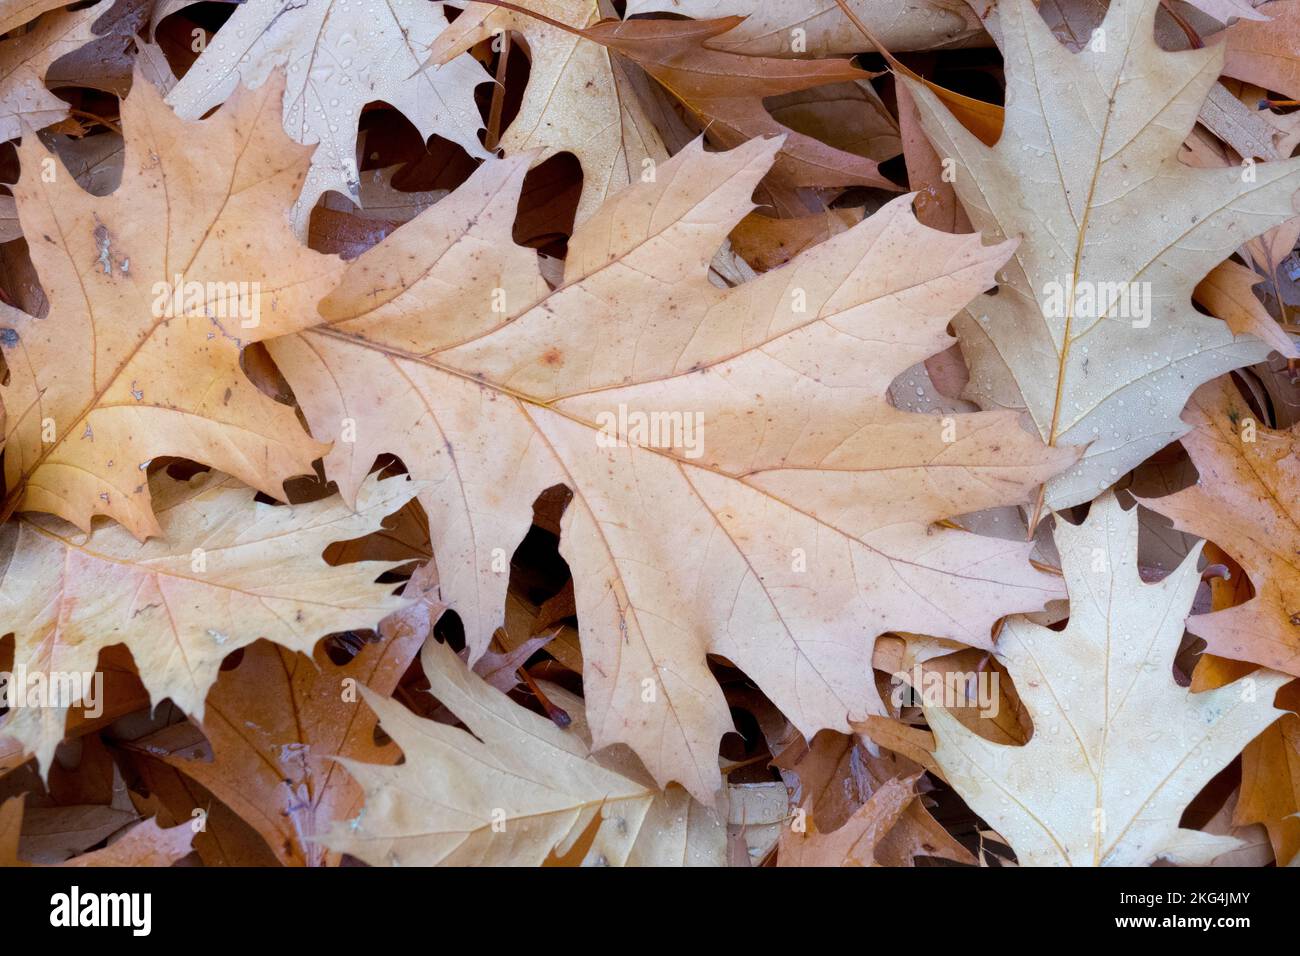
<point>1092,330</point>
<point>511,790</point>
<point>145,844</point>
<point>119,373</point>
<point>17,12</point>
<point>1247,501</point>
<point>820,28</point>
<point>1270,785</point>
<point>1263,51</point>
<point>853,844</point>
<point>834,777</point>
<point>726,93</point>
<point>1228,292</point>
<point>24,99</point>
<point>338,56</point>
<point>680,547</point>
<point>1127,748</point>
<point>227,571</point>
<point>276,722</point>
<point>578,99</point>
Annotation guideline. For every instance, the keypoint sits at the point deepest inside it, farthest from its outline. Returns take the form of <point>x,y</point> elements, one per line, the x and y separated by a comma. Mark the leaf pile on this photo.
<point>540,433</point>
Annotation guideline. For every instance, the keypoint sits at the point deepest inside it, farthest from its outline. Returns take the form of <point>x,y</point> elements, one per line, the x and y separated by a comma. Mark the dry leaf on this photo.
<point>677,829</point>
<point>275,723</point>
<point>120,372</point>
<point>1225,10</point>
<point>14,13</point>
<point>55,834</point>
<point>105,63</point>
<point>1270,785</point>
<point>794,532</point>
<point>226,571</point>
<point>25,103</point>
<point>1092,329</point>
<point>1228,292</point>
<point>1247,501</point>
<point>338,56</point>
<point>591,322</point>
<point>853,844</point>
<point>769,29</point>
<point>1118,748</point>
<point>9,228</point>
<point>578,99</point>
<point>513,793</point>
<point>1263,51</point>
<point>1242,127</point>
<point>726,93</point>
<point>936,200</point>
<point>833,779</point>
<point>766,243</point>
<point>145,844</point>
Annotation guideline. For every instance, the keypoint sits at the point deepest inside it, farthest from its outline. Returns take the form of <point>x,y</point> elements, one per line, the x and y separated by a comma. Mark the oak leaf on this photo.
<point>225,839</point>
<point>1118,748</point>
<point>229,570</point>
<point>854,843</point>
<point>1228,292</point>
<point>726,93</point>
<point>276,722</point>
<point>1092,330</point>
<point>1247,501</point>
<point>579,99</point>
<point>833,778</point>
<point>14,13</point>
<point>1270,784</point>
<point>145,844</point>
<point>55,834</point>
<point>1262,50</point>
<point>511,791</point>
<point>677,830</point>
<point>769,29</point>
<point>783,538</point>
<point>338,55</point>
<point>24,60</point>
<point>108,61</point>
<point>133,362</point>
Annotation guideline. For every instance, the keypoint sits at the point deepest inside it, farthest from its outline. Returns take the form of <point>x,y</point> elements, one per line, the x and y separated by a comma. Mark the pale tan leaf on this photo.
<point>577,99</point>
<point>1118,749</point>
<point>339,57</point>
<point>1092,329</point>
<point>228,571</point>
<point>446,347</point>
<point>511,790</point>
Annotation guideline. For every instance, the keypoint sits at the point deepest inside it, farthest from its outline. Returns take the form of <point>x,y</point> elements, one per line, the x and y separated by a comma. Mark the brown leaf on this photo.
<point>276,722</point>
<point>145,844</point>
<point>1246,502</point>
<point>725,91</point>
<point>120,372</point>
